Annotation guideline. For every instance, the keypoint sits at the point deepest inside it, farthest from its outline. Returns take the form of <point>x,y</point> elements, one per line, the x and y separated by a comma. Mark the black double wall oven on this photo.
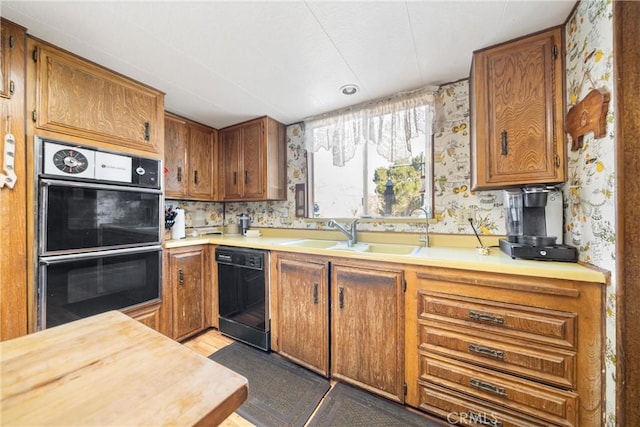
<point>99,231</point>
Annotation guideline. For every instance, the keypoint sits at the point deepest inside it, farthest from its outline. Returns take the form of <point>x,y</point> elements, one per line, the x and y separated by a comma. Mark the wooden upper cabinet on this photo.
<point>76,97</point>
<point>253,164</point>
<point>517,113</point>
<point>7,40</point>
<point>202,158</point>
<point>176,134</point>
<point>190,158</point>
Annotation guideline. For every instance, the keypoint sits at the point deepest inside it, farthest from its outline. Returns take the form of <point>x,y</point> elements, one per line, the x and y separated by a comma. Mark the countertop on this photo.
<point>459,257</point>
<point>110,370</point>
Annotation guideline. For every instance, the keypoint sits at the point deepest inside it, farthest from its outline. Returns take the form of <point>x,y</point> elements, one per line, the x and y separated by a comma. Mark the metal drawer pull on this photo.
<point>181,277</point>
<point>482,385</point>
<point>341,297</point>
<point>485,419</point>
<point>486,317</point>
<point>486,351</point>
<point>315,293</point>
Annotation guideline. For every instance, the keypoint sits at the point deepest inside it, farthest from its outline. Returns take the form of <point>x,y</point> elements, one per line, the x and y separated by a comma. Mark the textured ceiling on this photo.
<point>223,62</point>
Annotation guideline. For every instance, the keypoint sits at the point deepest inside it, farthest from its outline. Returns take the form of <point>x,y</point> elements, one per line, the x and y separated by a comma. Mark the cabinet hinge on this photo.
<point>12,87</point>
<point>34,115</point>
<point>555,51</point>
<point>12,42</point>
<point>34,55</point>
<point>404,388</point>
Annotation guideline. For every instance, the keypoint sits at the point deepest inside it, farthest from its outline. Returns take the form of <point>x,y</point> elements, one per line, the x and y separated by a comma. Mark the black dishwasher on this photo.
<point>243,296</point>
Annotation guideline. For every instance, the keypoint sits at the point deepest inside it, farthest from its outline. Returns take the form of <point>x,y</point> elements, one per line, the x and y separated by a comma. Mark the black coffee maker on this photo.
<point>533,219</point>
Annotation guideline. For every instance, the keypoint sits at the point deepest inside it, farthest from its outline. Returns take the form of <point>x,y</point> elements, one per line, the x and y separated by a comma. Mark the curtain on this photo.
<point>388,123</point>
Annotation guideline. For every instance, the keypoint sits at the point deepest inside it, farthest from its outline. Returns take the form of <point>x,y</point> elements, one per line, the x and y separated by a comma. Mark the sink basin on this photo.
<point>377,248</point>
<point>374,248</point>
<point>312,243</point>
<point>393,249</point>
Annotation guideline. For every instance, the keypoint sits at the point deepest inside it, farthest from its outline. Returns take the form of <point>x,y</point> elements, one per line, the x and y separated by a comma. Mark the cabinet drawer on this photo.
<point>548,365</point>
<point>459,409</point>
<point>540,401</point>
<point>537,325</point>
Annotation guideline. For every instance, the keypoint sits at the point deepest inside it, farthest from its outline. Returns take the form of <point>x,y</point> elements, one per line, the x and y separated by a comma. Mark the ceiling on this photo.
<point>223,62</point>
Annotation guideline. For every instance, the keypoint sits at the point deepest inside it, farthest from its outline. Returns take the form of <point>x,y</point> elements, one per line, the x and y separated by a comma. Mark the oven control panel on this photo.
<point>71,161</point>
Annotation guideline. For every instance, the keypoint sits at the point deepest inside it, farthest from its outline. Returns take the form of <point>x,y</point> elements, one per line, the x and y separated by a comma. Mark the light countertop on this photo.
<point>459,257</point>
<point>110,370</point>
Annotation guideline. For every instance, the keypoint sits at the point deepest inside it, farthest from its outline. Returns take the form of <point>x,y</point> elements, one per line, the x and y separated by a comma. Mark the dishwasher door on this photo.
<point>242,296</point>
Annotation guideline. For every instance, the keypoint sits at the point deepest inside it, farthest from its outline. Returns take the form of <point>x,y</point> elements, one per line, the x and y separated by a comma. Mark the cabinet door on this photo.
<point>15,245</point>
<point>176,134</point>
<point>367,328</point>
<point>230,146</point>
<point>304,312</point>
<point>148,316</point>
<point>77,97</point>
<point>187,277</point>
<point>201,156</point>
<point>253,166</point>
<point>5,60</point>
<point>517,103</point>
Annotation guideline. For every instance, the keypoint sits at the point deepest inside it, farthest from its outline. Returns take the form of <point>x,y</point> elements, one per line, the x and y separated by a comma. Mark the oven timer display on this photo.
<point>70,161</point>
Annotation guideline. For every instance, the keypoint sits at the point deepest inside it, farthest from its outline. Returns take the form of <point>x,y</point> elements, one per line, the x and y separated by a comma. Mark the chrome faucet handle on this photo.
<point>425,238</point>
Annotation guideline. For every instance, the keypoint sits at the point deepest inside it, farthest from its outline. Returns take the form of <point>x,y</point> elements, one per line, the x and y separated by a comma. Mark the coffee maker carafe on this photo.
<point>244,219</point>
<point>533,220</point>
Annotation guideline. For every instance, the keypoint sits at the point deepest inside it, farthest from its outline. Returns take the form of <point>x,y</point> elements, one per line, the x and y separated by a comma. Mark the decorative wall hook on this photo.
<point>588,115</point>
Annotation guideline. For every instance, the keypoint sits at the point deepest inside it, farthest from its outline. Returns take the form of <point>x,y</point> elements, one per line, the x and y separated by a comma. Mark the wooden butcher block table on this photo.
<point>110,370</point>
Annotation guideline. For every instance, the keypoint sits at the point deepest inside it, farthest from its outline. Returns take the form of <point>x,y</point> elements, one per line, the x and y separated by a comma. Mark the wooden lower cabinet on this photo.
<point>190,290</point>
<point>303,311</point>
<point>358,320</point>
<point>148,315</point>
<point>520,350</point>
<point>367,326</point>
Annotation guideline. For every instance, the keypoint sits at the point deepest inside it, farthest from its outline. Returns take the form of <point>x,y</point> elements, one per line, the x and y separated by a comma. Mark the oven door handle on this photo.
<point>79,184</point>
<point>56,259</point>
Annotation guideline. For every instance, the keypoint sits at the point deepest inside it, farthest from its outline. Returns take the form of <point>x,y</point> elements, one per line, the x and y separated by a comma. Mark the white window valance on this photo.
<point>388,123</point>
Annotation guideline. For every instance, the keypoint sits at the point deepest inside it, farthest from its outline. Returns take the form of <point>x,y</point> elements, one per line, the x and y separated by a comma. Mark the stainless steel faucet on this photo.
<point>352,233</point>
<point>425,238</point>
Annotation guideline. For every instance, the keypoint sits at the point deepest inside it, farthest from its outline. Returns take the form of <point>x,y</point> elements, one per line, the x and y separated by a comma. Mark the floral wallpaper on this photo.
<point>589,195</point>
<point>590,192</point>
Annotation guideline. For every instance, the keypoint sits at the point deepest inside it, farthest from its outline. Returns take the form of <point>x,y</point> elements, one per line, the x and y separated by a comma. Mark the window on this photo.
<point>372,160</point>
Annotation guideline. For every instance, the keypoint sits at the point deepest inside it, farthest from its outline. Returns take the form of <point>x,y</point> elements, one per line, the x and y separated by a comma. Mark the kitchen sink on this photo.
<point>377,248</point>
<point>313,243</point>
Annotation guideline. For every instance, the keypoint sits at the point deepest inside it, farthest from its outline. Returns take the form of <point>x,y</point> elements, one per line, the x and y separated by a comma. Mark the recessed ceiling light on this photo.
<point>349,89</point>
